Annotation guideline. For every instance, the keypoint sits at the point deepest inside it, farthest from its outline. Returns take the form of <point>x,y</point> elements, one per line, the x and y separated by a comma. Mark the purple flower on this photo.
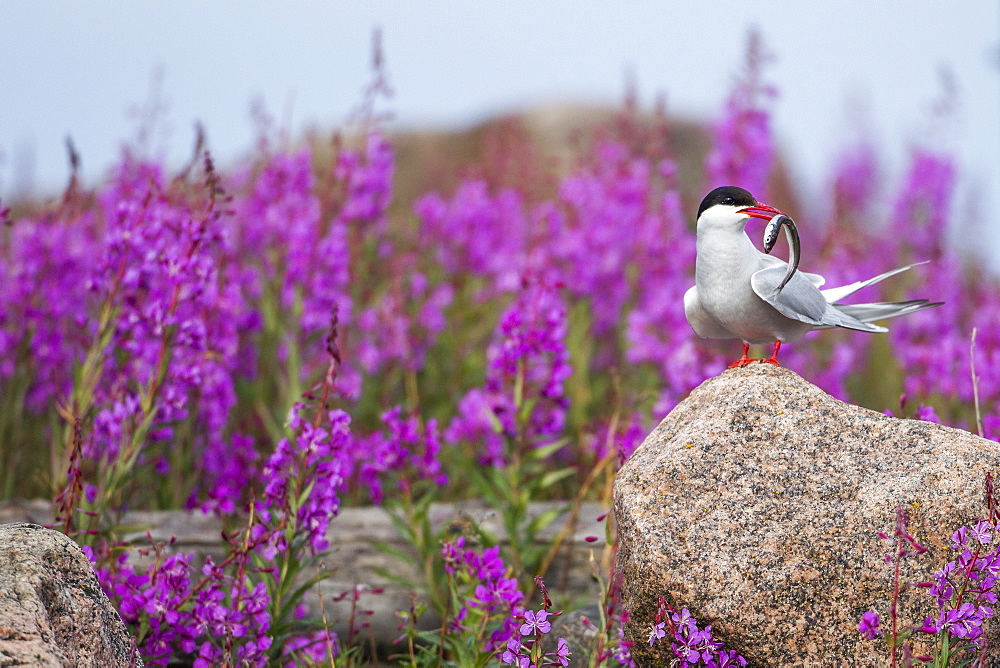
<point>965,622</point>
<point>42,281</point>
<point>658,631</point>
<point>306,268</point>
<point>562,652</point>
<point>726,659</point>
<point>312,648</point>
<point>454,556</point>
<point>528,362</point>
<point>982,531</point>
<point>409,448</point>
<point>492,591</point>
<point>624,440</point>
<point>856,180</point>
<point>929,627</point>
<point>689,644</point>
<point>488,565</point>
<point>942,588</point>
<point>923,207</point>
<point>657,330</point>
<point>610,212</point>
<point>960,538</point>
<point>484,418</point>
<point>514,654</point>
<point>535,623</point>
<point>927,414</point>
<point>869,626</point>
<point>316,457</point>
<point>404,324</point>
<point>477,233</point>
<point>368,177</point>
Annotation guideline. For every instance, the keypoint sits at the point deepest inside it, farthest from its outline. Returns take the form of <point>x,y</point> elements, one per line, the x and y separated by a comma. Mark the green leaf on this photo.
<point>543,520</point>
<point>304,588</point>
<point>483,480</point>
<point>399,579</point>
<point>306,491</point>
<point>545,451</point>
<point>494,421</point>
<point>552,477</point>
<point>391,550</point>
<point>504,489</point>
<point>527,408</point>
<point>402,525</point>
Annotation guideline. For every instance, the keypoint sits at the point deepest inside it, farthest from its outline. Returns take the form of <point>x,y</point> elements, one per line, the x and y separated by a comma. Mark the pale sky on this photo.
<point>70,68</point>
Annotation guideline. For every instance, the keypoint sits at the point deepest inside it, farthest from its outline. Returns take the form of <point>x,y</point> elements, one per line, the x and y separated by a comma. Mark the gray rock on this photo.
<point>52,609</point>
<point>580,629</point>
<point>756,504</point>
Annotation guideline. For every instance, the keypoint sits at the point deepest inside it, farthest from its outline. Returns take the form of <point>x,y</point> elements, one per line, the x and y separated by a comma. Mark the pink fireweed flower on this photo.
<point>562,652</point>
<point>607,204</point>
<point>484,418</point>
<point>477,232</point>
<point>535,623</point>
<point>528,356</point>
<point>855,183</point>
<point>494,592</point>
<point>690,644</point>
<point>923,207</point>
<point>627,437</point>
<point>930,627</point>
<point>45,308</point>
<point>982,532</point>
<point>315,647</point>
<point>934,349</point>
<point>869,625</point>
<point>657,330</point>
<point>658,631</point>
<point>173,336</point>
<point>964,622</point>
<point>368,176</point>
<point>314,459</point>
<point>403,325</point>
<point>233,466</point>
<point>308,260</point>
<point>408,448</point>
<point>515,655</point>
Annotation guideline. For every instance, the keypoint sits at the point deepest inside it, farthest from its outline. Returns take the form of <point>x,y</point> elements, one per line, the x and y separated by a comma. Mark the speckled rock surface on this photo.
<point>52,609</point>
<point>756,504</point>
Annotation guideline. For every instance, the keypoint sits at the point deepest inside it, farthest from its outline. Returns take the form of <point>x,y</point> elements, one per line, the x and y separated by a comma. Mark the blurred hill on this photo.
<point>534,148</point>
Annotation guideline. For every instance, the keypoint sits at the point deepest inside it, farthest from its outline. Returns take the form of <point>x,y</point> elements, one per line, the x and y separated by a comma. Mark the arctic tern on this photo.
<point>741,293</point>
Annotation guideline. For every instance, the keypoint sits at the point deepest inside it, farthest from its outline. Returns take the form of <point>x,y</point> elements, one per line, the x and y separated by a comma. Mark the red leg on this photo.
<point>773,359</point>
<point>743,361</point>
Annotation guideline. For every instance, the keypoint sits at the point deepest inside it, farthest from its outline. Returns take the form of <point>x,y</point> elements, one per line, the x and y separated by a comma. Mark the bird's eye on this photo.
<point>729,200</point>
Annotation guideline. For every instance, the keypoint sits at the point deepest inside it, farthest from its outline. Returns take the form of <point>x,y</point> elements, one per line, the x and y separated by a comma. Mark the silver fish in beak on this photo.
<point>792,236</point>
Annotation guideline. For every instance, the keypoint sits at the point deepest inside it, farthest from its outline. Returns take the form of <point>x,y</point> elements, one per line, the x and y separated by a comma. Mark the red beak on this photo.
<point>762,211</point>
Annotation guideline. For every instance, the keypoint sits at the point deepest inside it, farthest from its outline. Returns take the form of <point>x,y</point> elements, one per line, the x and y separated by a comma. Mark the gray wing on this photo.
<point>884,310</point>
<point>801,300</point>
<point>834,295</point>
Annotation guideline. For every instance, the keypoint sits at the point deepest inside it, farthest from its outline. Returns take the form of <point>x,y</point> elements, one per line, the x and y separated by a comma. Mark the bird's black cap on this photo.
<point>731,195</point>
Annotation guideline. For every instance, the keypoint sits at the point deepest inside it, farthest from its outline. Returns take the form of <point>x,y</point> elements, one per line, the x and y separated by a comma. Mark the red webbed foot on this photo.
<point>743,361</point>
<point>773,359</point>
